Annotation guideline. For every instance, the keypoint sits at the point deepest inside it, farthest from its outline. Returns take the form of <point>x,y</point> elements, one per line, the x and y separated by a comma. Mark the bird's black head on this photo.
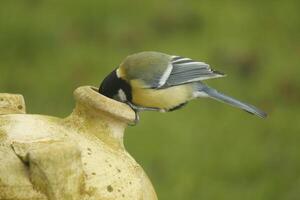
<point>114,87</point>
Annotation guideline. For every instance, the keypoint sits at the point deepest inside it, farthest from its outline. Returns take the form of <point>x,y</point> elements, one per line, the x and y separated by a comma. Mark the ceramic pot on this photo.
<point>79,157</point>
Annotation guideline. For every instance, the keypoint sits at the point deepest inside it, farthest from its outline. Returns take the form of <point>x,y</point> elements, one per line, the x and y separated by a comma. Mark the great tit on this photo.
<point>161,82</point>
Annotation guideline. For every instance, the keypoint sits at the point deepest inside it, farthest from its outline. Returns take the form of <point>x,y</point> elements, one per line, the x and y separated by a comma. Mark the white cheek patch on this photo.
<point>122,95</point>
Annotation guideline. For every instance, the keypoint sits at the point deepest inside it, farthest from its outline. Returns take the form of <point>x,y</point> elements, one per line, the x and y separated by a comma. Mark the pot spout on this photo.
<point>101,116</point>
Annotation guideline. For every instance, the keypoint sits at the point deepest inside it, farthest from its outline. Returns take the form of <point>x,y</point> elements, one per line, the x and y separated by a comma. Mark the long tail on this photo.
<point>214,94</point>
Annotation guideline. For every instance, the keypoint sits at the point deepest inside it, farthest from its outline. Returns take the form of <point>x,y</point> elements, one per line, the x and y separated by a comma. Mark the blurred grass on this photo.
<point>207,150</point>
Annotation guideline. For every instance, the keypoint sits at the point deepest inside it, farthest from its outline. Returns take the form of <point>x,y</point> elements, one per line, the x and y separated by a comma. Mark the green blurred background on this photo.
<point>207,150</point>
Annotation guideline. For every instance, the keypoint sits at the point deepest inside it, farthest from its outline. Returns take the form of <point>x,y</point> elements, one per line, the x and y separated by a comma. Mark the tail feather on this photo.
<point>212,93</point>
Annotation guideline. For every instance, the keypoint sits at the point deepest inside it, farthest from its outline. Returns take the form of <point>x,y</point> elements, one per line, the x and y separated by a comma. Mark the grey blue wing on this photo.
<point>186,70</point>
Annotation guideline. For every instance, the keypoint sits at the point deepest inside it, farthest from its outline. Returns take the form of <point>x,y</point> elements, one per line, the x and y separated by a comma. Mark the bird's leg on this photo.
<point>137,118</point>
<point>132,106</point>
<point>140,108</point>
<point>136,110</point>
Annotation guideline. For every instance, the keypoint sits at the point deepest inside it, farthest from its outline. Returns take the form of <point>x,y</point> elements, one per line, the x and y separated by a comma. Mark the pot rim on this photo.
<point>89,96</point>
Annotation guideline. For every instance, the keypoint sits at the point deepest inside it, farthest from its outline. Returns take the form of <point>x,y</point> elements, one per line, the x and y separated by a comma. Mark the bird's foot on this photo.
<point>138,109</point>
<point>135,109</point>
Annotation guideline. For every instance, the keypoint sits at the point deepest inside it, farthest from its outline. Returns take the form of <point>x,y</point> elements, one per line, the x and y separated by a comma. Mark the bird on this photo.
<point>155,81</point>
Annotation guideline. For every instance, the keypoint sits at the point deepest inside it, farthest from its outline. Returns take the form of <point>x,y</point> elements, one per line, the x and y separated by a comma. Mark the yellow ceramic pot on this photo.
<point>79,157</point>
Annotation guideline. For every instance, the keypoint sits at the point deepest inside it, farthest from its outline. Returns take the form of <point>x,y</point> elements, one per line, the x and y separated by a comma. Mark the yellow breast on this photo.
<point>162,98</point>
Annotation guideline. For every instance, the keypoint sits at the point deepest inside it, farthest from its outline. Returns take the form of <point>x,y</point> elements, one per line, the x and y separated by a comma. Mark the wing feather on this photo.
<point>186,70</point>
